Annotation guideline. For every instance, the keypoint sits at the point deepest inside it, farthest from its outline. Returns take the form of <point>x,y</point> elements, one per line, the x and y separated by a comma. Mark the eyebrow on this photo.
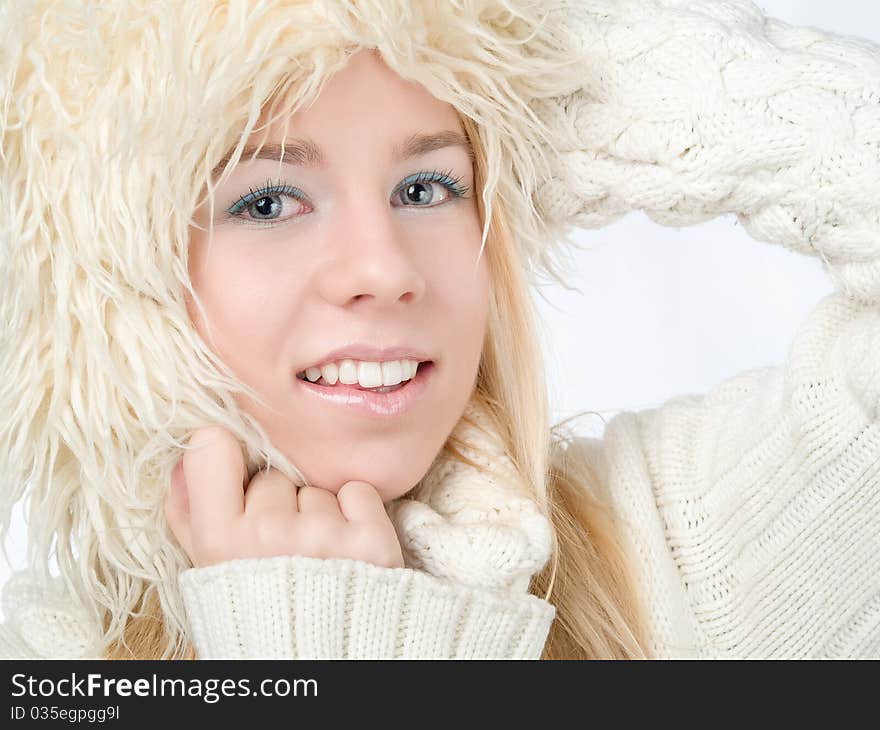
<point>308,154</point>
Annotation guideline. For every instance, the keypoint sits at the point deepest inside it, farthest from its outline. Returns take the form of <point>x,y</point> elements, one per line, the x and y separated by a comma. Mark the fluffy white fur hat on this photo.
<point>113,118</point>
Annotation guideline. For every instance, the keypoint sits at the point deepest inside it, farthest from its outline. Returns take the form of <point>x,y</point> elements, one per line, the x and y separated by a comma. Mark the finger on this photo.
<point>361,502</point>
<point>214,469</point>
<point>270,492</point>
<point>315,499</point>
<point>177,509</point>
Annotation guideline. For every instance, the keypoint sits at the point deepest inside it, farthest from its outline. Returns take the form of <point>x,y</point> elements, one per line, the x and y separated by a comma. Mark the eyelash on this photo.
<point>446,178</point>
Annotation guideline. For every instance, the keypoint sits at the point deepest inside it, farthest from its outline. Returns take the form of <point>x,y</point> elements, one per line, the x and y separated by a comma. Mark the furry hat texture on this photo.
<point>113,117</point>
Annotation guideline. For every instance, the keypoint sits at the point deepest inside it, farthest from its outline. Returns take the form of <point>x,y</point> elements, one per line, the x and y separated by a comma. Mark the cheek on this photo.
<point>239,300</point>
<point>451,264</point>
<point>464,292</point>
<point>465,288</point>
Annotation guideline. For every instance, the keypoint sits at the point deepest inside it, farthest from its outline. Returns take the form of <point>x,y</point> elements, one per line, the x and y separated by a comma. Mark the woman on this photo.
<point>424,160</point>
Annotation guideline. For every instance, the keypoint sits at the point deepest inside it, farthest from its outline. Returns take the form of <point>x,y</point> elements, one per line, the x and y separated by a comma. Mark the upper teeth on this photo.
<point>365,374</point>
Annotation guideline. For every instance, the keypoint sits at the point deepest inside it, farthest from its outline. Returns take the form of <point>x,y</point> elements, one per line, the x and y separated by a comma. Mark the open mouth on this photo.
<point>380,402</point>
<point>422,369</point>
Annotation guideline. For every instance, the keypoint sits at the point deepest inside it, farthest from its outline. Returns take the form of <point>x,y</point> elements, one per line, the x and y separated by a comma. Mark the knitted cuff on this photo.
<point>297,607</point>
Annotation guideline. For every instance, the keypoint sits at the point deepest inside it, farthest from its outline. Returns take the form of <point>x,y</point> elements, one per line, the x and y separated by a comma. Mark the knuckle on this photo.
<point>211,547</point>
<point>276,475</point>
<point>317,536</point>
<point>207,435</point>
<point>311,495</point>
<point>212,437</point>
<point>272,528</point>
<point>360,495</point>
<point>367,542</point>
<point>356,488</point>
<point>392,559</point>
<point>390,554</point>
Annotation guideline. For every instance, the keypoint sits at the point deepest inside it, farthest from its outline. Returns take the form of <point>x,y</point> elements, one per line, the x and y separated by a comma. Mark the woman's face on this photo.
<point>354,250</point>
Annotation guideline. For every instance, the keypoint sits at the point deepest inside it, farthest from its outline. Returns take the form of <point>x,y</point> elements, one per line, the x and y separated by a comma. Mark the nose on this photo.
<point>373,256</point>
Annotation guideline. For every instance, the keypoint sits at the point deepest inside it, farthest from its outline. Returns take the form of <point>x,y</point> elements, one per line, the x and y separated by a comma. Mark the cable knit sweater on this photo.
<point>751,514</point>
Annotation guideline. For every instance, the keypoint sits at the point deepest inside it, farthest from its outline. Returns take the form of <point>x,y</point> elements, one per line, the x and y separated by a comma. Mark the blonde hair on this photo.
<point>588,576</point>
<point>100,181</point>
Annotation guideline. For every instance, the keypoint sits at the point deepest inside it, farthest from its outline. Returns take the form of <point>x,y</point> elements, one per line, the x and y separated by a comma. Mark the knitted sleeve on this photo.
<point>752,513</point>
<point>296,607</point>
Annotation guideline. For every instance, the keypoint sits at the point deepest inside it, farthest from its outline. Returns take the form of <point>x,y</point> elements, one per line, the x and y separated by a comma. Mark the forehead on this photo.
<point>363,104</point>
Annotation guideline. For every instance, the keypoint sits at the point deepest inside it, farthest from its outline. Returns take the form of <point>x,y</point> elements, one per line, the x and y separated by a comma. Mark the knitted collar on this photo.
<point>480,529</point>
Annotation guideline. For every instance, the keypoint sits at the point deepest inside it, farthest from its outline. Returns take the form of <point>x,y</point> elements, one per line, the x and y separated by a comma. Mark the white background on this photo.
<point>665,312</point>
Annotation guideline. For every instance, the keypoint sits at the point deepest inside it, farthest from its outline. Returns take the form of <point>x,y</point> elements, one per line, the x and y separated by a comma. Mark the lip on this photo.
<point>367,353</point>
<point>381,405</point>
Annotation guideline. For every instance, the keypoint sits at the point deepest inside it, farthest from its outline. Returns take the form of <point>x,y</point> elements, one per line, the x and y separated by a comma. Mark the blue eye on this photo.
<point>415,185</point>
<point>264,201</point>
<point>264,205</point>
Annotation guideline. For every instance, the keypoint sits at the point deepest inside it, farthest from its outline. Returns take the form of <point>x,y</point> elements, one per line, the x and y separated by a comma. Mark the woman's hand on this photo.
<point>216,518</point>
